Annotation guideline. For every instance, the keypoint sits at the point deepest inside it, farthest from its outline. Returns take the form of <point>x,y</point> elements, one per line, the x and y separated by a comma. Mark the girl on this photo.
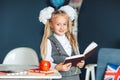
<point>58,42</point>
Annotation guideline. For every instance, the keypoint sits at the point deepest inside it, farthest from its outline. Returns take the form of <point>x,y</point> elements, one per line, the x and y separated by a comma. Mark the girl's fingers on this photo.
<point>68,64</point>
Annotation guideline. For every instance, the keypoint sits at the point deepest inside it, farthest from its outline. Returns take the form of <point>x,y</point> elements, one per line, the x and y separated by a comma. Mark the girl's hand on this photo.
<point>81,64</point>
<point>63,67</point>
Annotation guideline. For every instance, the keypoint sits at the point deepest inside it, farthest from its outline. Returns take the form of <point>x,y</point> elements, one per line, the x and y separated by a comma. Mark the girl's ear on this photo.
<point>51,25</point>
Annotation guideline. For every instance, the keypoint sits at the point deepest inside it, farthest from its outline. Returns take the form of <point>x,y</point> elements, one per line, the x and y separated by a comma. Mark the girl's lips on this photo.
<point>61,31</point>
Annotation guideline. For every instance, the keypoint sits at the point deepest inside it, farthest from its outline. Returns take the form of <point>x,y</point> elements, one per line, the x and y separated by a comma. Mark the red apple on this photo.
<point>44,65</point>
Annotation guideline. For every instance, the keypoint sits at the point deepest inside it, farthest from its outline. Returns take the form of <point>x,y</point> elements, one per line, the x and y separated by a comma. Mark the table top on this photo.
<point>18,69</point>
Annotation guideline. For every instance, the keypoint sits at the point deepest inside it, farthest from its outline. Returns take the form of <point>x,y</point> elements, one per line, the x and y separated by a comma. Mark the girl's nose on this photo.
<point>62,27</point>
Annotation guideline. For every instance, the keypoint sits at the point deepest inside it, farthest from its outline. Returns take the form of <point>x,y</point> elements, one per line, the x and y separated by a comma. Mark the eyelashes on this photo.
<point>62,24</point>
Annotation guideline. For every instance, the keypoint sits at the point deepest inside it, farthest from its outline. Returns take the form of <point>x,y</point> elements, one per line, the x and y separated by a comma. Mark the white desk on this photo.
<point>20,68</point>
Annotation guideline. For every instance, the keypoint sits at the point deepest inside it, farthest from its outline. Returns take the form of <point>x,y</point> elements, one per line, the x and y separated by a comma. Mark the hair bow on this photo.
<point>46,13</point>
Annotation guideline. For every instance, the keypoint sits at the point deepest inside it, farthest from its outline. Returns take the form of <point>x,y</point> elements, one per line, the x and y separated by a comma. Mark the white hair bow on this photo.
<point>46,13</point>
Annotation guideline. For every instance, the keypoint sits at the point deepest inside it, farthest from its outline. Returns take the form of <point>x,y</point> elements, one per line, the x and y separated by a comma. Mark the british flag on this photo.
<point>112,72</point>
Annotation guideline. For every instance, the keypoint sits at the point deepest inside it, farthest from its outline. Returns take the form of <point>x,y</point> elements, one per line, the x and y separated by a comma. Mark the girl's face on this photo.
<point>59,24</point>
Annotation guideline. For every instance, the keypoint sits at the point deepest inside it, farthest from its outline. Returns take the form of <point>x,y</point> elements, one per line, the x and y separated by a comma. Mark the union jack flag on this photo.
<point>112,72</point>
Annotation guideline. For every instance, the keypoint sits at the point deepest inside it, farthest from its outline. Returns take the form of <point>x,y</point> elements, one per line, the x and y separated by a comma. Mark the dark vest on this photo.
<point>59,55</point>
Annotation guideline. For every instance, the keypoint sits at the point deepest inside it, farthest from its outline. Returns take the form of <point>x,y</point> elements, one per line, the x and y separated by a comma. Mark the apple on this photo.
<point>45,65</point>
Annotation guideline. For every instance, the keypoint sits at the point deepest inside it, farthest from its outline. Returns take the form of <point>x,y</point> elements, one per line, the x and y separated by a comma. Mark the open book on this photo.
<point>77,58</point>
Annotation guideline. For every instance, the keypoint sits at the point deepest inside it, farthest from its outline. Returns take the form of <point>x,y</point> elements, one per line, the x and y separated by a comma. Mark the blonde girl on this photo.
<point>58,43</point>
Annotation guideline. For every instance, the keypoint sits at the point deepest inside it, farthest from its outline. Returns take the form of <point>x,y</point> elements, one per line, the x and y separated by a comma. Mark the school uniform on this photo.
<point>58,55</point>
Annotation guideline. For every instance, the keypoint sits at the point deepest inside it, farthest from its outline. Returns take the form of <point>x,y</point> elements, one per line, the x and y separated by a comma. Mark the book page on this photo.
<point>75,56</point>
<point>90,47</point>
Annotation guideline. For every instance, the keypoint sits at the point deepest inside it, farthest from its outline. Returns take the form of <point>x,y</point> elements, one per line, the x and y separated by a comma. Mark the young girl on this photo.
<point>58,41</point>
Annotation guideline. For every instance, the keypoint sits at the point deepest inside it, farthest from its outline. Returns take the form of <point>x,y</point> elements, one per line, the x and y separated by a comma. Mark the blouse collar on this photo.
<point>59,37</point>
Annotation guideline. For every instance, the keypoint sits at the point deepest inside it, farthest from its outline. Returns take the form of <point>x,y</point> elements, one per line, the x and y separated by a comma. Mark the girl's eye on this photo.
<point>58,24</point>
<point>64,24</point>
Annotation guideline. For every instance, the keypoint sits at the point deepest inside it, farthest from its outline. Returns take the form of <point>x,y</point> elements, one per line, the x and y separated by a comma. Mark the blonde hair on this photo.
<point>47,33</point>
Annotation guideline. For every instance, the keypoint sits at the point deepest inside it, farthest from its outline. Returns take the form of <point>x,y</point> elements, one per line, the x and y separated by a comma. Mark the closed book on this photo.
<point>38,72</point>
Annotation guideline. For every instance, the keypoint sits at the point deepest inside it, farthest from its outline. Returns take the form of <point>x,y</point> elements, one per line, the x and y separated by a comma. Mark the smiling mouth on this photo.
<point>61,31</point>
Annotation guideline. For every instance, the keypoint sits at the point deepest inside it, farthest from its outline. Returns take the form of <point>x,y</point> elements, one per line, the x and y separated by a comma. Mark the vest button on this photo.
<point>57,48</point>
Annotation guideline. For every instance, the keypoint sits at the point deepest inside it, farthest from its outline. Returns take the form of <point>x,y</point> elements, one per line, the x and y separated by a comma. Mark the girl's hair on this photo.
<point>47,33</point>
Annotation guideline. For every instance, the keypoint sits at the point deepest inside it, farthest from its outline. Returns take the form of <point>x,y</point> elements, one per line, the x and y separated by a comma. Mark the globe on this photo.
<point>57,3</point>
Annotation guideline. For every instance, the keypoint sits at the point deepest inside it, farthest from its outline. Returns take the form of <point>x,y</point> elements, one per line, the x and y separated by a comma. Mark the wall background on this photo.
<point>19,25</point>
<point>99,21</point>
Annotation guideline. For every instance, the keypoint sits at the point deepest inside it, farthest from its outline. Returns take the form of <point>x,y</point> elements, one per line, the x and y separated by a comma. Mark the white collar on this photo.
<point>60,37</point>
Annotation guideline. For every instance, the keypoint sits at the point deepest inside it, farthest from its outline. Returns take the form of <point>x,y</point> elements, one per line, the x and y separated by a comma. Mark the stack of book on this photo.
<point>37,71</point>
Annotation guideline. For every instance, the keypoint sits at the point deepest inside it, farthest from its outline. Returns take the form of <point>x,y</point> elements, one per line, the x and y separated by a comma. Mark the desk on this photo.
<point>20,68</point>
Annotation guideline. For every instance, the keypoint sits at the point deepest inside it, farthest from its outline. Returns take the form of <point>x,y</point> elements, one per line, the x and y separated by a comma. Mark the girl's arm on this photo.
<point>48,54</point>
